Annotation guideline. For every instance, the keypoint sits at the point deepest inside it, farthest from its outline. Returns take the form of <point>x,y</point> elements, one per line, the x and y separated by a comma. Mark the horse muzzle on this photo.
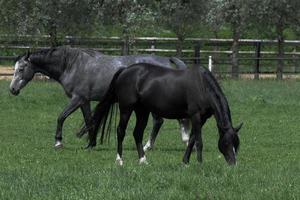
<point>14,91</point>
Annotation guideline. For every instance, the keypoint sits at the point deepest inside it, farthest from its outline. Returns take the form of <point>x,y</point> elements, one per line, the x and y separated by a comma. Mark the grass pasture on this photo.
<point>268,161</point>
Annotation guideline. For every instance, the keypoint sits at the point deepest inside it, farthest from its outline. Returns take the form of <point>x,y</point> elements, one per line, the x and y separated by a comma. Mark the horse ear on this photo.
<point>27,55</point>
<point>237,129</point>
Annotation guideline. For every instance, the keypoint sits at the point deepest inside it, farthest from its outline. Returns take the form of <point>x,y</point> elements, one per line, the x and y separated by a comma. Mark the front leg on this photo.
<point>73,105</point>
<point>195,139</point>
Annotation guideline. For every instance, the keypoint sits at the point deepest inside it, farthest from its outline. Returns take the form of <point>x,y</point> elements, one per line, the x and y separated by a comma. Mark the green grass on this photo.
<point>268,161</point>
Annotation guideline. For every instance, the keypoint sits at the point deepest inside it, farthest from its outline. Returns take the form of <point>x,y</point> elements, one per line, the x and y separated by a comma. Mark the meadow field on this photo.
<point>268,161</point>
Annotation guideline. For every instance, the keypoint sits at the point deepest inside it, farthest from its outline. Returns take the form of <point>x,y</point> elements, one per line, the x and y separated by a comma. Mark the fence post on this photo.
<point>152,46</point>
<point>257,60</point>
<point>210,63</point>
<point>197,54</point>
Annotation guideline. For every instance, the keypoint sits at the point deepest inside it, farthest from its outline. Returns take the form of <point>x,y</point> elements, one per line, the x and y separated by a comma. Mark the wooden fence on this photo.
<point>256,57</point>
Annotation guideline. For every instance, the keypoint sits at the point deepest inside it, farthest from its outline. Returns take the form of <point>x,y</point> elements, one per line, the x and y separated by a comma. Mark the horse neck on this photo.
<point>222,114</point>
<point>52,66</point>
<point>219,105</point>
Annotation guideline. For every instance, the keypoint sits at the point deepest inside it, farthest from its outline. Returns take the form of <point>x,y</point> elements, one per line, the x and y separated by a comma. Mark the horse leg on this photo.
<point>157,123</point>
<point>87,115</point>
<point>141,123</point>
<point>185,128</point>
<point>74,104</point>
<point>189,148</point>
<point>195,139</point>
<point>121,130</point>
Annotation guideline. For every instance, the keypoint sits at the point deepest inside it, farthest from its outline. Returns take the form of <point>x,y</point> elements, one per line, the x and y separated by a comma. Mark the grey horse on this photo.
<point>85,76</point>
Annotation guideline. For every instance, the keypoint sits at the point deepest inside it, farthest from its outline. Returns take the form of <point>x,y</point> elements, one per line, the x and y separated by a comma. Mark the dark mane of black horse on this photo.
<point>219,98</point>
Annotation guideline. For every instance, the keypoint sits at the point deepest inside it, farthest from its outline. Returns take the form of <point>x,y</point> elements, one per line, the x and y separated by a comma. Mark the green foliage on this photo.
<point>182,16</point>
<point>268,160</point>
<point>253,18</point>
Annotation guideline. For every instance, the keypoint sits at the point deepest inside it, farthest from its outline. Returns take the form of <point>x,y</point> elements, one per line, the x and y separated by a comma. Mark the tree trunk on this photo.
<point>235,54</point>
<point>215,56</point>
<point>125,46</point>
<point>53,35</point>
<point>179,46</point>
<point>280,55</point>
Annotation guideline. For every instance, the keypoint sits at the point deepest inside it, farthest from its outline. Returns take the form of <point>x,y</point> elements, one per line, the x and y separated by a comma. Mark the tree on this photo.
<point>63,17</point>
<point>130,15</point>
<point>16,16</point>
<point>278,16</point>
<point>52,17</point>
<point>237,15</point>
<point>182,17</point>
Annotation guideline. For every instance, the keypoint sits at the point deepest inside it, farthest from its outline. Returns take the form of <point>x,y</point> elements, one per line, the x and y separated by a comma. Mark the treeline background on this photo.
<point>235,19</point>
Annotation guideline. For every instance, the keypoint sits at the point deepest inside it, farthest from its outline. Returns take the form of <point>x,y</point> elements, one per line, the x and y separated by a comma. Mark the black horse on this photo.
<point>191,93</point>
<point>84,74</point>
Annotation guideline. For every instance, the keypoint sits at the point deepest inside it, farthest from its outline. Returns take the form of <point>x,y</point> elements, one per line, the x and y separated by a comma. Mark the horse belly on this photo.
<point>170,108</point>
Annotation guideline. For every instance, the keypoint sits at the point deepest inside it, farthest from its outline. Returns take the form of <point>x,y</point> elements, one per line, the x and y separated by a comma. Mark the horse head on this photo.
<point>22,75</point>
<point>229,144</point>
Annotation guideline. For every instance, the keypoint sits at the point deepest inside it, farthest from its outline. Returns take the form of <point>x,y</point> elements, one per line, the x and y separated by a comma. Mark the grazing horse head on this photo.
<point>229,144</point>
<point>23,74</point>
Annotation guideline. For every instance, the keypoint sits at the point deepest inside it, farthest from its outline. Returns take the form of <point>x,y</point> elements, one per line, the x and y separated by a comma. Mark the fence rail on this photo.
<point>255,56</point>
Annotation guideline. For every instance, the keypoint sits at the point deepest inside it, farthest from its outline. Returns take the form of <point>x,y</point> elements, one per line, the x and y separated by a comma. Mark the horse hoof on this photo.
<point>143,161</point>
<point>119,162</point>
<point>185,162</point>
<point>81,133</point>
<point>147,146</point>
<point>58,145</point>
<point>89,146</point>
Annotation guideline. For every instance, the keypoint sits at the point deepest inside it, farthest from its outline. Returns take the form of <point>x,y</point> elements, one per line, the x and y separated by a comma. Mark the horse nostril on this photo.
<point>14,91</point>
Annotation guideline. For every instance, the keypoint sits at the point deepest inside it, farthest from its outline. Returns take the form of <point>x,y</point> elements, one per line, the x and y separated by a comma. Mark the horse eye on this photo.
<point>21,70</point>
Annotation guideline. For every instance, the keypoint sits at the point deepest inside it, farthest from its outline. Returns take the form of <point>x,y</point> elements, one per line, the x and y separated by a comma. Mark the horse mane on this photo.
<point>91,52</point>
<point>43,55</point>
<point>218,97</point>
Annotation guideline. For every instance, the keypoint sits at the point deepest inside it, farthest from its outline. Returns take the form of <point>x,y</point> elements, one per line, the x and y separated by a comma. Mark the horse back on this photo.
<point>161,90</point>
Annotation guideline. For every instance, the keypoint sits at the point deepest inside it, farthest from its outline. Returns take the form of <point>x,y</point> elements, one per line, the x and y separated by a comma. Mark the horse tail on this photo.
<point>104,111</point>
<point>179,63</point>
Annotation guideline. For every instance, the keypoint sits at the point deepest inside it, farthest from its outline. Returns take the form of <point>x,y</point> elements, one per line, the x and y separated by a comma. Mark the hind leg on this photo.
<point>141,123</point>
<point>87,115</point>
<point>121,130</point>
<point>157,123</point>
